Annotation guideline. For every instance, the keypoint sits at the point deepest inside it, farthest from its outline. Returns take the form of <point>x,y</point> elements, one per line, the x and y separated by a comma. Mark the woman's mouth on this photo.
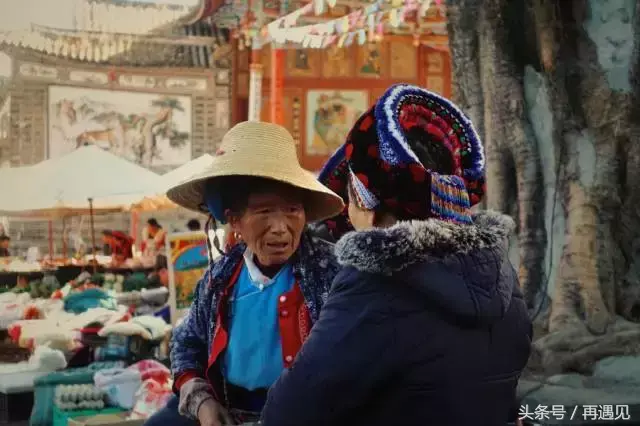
<point>277,246</point>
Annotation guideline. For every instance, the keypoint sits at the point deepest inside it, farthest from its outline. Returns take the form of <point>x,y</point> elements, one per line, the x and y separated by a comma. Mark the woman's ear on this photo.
<point>232,219</point>
<point>371,218</point>
<point>383,219</point>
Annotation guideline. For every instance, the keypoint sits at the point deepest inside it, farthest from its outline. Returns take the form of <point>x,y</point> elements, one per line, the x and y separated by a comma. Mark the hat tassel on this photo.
<point>211,223</point>
<point>450,199</point>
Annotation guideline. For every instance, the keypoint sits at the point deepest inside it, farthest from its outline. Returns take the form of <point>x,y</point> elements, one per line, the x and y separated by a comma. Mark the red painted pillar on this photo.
<point>255,87</point>
<point>277,84</point>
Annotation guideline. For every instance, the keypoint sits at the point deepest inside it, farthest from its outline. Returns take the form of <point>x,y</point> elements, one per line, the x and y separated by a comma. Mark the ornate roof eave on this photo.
<point>121,16</point>
<point>89,46</point>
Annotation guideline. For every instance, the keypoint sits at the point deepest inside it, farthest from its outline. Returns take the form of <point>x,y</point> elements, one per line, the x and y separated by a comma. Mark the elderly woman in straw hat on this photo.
<point>255,305</point>
<point>425,324</point>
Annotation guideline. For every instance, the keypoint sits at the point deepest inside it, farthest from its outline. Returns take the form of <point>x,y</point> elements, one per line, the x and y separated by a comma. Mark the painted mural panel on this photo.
<point>404,61</point>
<point>435,62</point>
<point>330,115</point>
<point>337,62</point>
<point>153,130</point>
<point>435,83</point>
<point>371,58</point>
<point>303,62</point>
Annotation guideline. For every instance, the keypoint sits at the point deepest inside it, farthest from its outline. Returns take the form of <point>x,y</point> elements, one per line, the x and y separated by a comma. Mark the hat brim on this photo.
<point>320,202</point>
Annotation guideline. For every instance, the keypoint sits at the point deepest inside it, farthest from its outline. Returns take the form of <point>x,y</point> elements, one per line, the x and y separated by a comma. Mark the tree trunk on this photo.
<point>561,126</point>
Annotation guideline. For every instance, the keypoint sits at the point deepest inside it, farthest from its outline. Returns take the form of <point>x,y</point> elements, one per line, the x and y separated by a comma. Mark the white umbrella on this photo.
<point>86,180</point>
<point>64,185</point>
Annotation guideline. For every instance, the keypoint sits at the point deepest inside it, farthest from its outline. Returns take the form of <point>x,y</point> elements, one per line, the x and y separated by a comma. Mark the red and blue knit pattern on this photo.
<point>378,163</point>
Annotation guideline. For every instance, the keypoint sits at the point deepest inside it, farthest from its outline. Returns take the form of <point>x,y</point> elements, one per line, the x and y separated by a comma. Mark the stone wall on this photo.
<point>26,143</point>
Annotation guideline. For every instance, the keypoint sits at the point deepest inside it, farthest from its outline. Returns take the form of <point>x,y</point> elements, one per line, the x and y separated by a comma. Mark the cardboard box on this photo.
<point>105,420</point>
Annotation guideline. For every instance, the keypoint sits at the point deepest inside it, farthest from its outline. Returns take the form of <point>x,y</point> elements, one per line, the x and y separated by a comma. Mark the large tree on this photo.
<point>553,87</point>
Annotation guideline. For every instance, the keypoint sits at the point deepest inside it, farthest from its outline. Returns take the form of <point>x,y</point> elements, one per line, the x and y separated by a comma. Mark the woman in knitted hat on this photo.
<point>255,305</point>
<point>425,324</point>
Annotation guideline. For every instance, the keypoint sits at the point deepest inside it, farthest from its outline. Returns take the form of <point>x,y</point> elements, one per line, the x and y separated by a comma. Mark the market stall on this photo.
<point>78,314</point>
<point>87,180</point>
<point>103,333</point>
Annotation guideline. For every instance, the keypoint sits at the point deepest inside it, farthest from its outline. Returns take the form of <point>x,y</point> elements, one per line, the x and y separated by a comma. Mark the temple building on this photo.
<point>321,90</point>
<point>125,71</point>
<point>144,81</point>
<point>160,84</point>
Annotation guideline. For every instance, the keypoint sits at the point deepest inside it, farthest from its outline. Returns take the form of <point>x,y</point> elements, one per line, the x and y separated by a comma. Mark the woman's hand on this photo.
<point>212,413</point>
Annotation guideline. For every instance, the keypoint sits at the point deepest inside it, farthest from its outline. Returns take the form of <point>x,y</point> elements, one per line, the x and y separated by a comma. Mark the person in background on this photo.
<point>154,243</point>
<point>118,245</point>
<point>5,240</point>
<point>257,302</point>
<point>160,275</point>
<point>194,225</point>
<point>425,324</point>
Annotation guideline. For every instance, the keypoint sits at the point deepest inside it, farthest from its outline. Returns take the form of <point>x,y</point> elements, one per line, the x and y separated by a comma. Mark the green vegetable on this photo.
<point>136,281</point>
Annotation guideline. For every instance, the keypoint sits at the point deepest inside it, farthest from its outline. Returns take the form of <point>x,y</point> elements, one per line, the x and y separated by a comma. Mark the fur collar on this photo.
<point>388,250</point>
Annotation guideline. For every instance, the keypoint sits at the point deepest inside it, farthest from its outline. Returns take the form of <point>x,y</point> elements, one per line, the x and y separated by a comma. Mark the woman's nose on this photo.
<point>278,224</point>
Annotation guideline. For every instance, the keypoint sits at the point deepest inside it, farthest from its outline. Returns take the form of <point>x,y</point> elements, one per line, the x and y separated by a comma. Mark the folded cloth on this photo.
<point>128,328</point>
<point>156,296</point>
<point>157,327</point>
<point>146,326</point>
<point>91,298</point>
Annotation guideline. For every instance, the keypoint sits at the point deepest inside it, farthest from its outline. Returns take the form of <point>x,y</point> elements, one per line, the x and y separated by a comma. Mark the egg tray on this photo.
<point>79,397</point>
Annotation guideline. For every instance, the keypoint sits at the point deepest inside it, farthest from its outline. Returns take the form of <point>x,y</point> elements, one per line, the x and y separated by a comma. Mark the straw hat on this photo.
<point>264,150</point>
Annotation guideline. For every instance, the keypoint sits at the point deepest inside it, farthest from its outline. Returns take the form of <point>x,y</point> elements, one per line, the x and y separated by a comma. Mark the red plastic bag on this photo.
<point>150,369</point>
<point>150,398</point>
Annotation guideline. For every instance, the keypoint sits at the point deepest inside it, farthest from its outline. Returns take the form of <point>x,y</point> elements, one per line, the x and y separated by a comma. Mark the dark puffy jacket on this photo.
<point>424,326</point>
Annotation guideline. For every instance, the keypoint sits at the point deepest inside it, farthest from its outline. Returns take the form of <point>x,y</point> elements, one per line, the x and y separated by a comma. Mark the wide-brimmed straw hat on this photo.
<point>262,150</point>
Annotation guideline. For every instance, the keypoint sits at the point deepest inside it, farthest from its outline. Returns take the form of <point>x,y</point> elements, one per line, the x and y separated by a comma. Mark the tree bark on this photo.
<point>513,164</point>
<point>574,51</point>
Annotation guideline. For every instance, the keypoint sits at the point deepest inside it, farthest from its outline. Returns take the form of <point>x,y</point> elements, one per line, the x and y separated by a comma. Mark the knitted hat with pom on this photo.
<point>383,160</point>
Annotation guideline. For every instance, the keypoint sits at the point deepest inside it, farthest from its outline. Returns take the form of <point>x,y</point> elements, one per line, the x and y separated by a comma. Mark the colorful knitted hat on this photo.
<point>378,163</point>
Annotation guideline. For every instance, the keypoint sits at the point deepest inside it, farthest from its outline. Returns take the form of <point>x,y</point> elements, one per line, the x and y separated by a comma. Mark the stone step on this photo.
<point>613,390</point>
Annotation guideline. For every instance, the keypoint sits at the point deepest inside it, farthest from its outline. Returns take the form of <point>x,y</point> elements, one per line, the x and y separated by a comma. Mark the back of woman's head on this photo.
<point>413,155</point>
<point>433,155</point>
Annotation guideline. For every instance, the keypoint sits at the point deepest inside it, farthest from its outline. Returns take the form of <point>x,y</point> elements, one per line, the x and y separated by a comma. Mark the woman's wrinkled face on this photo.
<point>271,225</point>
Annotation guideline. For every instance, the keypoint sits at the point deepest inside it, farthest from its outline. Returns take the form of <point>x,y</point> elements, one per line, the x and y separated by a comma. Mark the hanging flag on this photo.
<point>341,40</point>
<point>394,19</point>
<point>424,8</point>
<point>318,7</point>
<point>349,40</point>
<point>362,37</point>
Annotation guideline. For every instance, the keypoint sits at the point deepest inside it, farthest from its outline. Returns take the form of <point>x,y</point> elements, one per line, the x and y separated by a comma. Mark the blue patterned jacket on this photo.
<point>314,267</point>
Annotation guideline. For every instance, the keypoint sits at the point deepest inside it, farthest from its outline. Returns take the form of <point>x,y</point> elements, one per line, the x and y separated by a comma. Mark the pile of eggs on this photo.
<point>79,397</point>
